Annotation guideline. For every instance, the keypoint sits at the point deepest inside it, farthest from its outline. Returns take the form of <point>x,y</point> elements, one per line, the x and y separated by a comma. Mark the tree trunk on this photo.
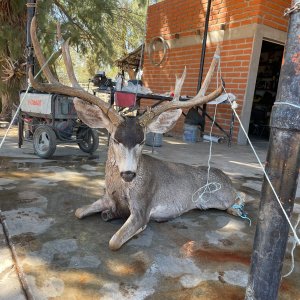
<point>9,99</point>
<point>6,107</point>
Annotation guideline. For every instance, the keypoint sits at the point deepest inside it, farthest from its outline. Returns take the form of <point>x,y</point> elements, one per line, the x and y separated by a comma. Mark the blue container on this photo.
<point>154,139</point>
<point>190,133</point>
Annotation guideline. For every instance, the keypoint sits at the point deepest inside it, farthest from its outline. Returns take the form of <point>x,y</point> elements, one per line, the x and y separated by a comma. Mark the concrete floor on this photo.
<point>200,255</point>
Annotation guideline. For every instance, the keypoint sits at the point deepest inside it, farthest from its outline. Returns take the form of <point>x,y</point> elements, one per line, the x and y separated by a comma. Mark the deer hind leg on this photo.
<point>131,227</point>
<point>237,208</point>
<point>109,214</point>
<point>103,204</point>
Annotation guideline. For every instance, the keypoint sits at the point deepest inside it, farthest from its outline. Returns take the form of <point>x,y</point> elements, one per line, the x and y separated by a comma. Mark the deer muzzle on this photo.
<point>128,176</point>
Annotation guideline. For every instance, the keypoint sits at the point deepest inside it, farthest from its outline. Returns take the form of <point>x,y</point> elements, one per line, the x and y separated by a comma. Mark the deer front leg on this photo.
<point>133,225</point>
<point>102,204</point>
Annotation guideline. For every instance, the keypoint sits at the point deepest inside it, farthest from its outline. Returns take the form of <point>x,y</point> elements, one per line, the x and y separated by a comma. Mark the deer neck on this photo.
<point>111,160</point>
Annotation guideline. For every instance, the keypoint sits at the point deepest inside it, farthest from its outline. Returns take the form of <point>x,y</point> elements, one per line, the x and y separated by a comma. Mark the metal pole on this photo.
<point>31,4</point>
<point>282,165</point>
<point>203,50</point>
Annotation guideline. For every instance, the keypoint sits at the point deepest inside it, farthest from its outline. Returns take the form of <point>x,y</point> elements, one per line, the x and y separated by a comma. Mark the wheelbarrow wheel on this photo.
<point>44,141</point>
<point>88,139</point>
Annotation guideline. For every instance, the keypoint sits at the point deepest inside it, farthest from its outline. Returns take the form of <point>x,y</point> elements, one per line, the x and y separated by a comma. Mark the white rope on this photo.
<point>292,251</point>
<point>26,92</point>
<point>296,239</point>
<point>263,168</point>
<point>209,187</point>
<point>287,103</point>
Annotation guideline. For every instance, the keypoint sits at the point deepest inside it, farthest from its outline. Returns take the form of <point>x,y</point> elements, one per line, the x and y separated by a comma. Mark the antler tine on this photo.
<point>207,80</point>
<point>67,58</point>
<point>39,54</point>
<point>178,85</point>
<point>55,87</point>
<point>199,99</point>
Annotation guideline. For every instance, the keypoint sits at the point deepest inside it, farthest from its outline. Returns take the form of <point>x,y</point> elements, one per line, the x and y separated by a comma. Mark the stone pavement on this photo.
<point>200,255</point>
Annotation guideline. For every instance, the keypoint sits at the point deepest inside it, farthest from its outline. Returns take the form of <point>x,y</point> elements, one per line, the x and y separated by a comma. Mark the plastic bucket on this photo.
<point>154,139</point>
<point>124,99</point>
<point>190,133</point>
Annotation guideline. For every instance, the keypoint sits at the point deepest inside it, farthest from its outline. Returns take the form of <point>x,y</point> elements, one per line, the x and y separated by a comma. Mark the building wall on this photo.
<point>238,26</point>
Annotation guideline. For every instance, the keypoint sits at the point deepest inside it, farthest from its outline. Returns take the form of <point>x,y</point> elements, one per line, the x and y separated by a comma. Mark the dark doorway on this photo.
<point>265,89</point>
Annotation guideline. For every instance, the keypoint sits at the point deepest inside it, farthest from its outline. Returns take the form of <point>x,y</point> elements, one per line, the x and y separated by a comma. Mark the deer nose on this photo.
<point>128,175</point>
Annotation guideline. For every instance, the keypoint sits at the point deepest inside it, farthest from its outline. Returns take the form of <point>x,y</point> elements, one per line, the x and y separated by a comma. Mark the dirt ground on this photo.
<point>200,255</point>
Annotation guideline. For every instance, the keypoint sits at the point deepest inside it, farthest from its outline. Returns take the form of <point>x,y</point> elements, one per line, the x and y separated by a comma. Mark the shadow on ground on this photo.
<point>200,255</point>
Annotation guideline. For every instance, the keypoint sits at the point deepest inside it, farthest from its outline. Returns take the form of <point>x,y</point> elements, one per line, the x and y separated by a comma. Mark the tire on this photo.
<point>89,139</point>
<point>44,141</point>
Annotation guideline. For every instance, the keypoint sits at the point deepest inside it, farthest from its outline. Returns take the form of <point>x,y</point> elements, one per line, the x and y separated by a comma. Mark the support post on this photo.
<point>31,4</point>
<point>282,166</point>
<point>203,51</point>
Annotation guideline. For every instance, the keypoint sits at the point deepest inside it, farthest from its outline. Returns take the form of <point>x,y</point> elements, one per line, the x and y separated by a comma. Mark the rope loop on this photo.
<point>239,208</point>
<point>294,241</point>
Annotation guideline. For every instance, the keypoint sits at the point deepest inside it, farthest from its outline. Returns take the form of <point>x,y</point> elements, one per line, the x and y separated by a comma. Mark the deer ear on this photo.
<point>165,121</point>
<point>92,115</point>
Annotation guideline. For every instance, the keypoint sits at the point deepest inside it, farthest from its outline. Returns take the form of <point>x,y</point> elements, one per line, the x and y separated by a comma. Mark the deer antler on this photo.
<point>67,58</point>
<point>199,99</point>
<point>55,87</point>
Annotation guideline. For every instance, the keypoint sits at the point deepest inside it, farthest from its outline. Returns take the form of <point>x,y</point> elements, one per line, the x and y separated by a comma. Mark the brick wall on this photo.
<point>182,17</point>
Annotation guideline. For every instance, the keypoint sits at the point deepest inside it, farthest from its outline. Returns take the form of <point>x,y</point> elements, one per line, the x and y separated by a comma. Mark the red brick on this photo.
<point>185,17</point>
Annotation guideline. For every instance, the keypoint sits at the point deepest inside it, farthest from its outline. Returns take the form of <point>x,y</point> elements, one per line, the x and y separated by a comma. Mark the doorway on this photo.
<point>265,89</point>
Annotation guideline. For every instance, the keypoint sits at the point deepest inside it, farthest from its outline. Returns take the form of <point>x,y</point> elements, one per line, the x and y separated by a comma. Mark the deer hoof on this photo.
<point>114,245</point>
<point>80,212</point>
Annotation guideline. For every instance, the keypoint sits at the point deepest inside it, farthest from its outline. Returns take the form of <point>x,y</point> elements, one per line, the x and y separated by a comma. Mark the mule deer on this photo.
<point>140,187</point>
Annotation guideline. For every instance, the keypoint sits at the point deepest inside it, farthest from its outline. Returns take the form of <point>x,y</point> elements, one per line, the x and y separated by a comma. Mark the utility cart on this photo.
<point>51,119</point>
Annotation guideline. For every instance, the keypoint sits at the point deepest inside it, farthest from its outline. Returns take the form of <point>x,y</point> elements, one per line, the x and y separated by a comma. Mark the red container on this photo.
<point>124,99</point>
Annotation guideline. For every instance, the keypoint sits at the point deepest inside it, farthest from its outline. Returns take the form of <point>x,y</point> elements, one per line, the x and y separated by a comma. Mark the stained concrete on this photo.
<point>10,286</point>
<point>200,255</point>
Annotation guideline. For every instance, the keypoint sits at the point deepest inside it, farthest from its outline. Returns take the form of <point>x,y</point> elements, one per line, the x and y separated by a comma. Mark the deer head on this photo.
<point>127,134</point>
